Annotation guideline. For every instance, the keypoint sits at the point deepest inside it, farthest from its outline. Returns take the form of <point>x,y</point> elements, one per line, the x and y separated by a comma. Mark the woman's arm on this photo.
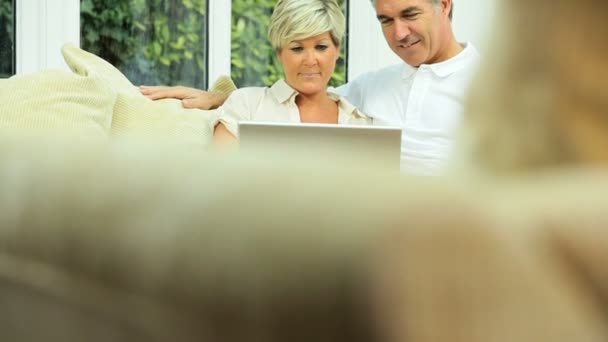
<point>223,138</point>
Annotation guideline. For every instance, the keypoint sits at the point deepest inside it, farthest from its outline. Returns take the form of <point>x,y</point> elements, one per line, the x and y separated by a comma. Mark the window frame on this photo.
<point>41,29</point>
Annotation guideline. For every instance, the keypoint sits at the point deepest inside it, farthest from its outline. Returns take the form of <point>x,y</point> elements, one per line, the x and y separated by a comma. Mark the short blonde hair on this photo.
<point>299,19</point>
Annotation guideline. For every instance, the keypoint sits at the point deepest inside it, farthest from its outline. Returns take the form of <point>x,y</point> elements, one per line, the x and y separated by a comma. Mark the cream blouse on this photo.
<point>276,104</point>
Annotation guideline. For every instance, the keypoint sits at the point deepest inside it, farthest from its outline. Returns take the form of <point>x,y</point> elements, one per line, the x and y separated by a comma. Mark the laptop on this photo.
<point>373,146</point>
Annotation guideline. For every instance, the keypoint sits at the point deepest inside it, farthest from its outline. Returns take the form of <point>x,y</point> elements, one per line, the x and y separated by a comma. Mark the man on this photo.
<point>424,95</point>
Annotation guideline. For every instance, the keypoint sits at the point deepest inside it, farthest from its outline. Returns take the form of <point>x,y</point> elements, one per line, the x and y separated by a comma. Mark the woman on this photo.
<point>306,36</point>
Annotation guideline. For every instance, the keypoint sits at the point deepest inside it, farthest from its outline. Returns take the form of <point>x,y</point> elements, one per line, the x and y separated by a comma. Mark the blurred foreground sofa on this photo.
<point>137,242</point>
<point>97,102</point>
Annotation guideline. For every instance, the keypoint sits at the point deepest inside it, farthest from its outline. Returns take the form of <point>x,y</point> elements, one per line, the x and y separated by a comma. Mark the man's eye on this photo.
<point>385,22</point>
<point>411,16</point>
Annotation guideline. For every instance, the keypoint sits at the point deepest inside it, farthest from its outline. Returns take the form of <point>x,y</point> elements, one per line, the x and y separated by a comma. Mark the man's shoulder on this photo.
<point>384,73</point>
<point>470,54</point>
<point>380,77</point>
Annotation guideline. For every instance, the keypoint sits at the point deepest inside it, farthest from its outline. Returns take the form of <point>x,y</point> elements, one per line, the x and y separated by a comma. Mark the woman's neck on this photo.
<point>317,108</point>
<point>311,100</point>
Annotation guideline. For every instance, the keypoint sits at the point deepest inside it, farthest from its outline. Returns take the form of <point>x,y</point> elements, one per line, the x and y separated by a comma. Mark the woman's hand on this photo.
<point>190,97</point>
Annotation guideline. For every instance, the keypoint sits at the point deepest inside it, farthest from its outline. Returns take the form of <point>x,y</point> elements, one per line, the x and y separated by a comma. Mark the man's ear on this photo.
<point>446,7</point>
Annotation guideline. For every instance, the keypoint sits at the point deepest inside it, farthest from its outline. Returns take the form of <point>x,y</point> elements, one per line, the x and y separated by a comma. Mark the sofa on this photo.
<point>131,243</point>
<point>152,241</point>
<point>97,102</point>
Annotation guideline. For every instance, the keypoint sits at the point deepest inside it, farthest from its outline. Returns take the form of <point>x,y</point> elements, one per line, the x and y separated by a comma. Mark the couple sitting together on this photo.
<point>423,96</point>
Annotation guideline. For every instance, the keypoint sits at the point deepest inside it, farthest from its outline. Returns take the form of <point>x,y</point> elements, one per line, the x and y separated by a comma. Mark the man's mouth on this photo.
<point>409,44</point>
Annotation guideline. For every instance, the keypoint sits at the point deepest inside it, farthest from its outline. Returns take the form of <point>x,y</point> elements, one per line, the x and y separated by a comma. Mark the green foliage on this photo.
<point>254,62</point>
<point>6,38</point>
<point>164,41</point>
<point>151,41</point>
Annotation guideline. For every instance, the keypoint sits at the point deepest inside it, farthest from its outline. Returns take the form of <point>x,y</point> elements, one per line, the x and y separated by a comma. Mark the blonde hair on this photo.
<point>540,99</point>
<point>299,19</point>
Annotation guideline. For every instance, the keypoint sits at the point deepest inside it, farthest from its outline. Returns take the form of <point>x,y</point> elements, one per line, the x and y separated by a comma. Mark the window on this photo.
<point>150,41</point>
<point>7,38</point>
<point>253,61</point>
<point>205,52</point>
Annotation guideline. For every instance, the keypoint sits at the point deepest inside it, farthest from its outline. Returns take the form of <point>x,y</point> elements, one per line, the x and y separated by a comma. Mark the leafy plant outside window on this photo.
<point>150,41</point>
<point>165,41</point>
<point>254,62</point>
<point>7,34</point>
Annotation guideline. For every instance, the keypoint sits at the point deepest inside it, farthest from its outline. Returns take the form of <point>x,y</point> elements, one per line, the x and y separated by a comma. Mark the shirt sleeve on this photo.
<point>235,109</point>
<point>352,91</point>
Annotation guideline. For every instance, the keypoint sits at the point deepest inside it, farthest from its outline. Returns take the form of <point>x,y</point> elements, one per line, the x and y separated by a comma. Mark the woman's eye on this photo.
<point>322,47</point>
<point>297,49</point>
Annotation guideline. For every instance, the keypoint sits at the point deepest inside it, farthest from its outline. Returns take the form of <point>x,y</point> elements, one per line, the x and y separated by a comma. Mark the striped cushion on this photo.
<point>56,102</point>
<point>135,114</point>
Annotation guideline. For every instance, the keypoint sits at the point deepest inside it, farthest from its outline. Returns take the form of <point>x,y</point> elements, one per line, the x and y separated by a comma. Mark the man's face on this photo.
<point>416,30</point>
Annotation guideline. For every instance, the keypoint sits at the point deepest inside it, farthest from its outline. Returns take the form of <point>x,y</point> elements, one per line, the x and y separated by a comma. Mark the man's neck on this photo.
<point>451,49</point>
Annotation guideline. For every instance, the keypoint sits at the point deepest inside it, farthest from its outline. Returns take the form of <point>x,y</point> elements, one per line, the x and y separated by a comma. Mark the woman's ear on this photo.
<point>277,53</point>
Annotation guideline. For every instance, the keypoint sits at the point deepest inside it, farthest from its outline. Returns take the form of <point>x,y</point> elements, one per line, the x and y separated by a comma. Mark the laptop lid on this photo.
<point>372,145</point>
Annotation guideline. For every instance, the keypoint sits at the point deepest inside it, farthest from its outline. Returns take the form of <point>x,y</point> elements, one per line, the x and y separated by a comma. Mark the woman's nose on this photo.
<point>310,58</point>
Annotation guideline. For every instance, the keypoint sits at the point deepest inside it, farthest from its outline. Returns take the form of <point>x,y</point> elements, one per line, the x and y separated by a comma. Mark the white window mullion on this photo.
<point>42,27</point>
<point>219,53</point>
<point>367,48</point>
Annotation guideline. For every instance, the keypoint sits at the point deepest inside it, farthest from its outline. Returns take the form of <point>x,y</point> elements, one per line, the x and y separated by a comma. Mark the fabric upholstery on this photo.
<point>138,245</point>
<point>136,115</point>
<point>224,84</point>
<point>57,102</point>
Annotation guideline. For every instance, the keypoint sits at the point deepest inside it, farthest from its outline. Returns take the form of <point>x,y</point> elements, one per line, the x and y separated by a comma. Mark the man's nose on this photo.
<point>402,30</point>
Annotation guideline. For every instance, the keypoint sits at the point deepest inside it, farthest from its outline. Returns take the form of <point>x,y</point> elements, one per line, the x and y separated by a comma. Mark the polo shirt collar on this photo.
<point>282,92</point>
<point>446,68</point>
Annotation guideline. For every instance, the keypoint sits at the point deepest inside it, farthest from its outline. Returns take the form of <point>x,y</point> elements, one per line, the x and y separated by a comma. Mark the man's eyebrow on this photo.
<point>404,13</point>
<point>410,11</point>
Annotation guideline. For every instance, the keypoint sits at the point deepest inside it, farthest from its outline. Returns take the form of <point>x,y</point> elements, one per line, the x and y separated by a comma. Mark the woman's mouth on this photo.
<point>310,74</point>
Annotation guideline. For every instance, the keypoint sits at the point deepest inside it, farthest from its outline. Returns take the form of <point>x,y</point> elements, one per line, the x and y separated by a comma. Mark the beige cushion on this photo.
<point>223,84</point>
<point>56,102</point>
<point>136,115</point>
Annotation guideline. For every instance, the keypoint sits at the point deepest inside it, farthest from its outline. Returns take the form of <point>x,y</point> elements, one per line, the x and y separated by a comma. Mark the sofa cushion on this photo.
<point>135,114</point>
<point>56,102</point>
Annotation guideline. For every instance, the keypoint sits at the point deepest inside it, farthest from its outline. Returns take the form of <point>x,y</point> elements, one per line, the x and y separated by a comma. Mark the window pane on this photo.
<point>253,61</point>
<point>7,38</point>
<point>150,41</point>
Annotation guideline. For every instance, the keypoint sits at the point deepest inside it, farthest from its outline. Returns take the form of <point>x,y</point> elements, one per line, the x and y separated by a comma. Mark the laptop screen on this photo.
<point>375,145</point>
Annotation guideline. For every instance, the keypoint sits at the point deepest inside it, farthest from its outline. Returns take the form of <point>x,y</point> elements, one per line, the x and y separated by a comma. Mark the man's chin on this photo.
<point>410,58</point>
<point>412,61</point>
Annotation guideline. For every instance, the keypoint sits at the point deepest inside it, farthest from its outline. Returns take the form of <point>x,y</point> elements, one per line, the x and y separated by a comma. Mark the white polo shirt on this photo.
<point>276,104</point>
<point>426,102</point>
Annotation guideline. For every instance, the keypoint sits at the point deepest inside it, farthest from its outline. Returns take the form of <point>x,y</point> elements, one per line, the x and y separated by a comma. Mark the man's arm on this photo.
<point>191,97</point>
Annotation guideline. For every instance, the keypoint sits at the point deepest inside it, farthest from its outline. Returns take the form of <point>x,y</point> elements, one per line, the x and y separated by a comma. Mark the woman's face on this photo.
<point>309,63</point>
